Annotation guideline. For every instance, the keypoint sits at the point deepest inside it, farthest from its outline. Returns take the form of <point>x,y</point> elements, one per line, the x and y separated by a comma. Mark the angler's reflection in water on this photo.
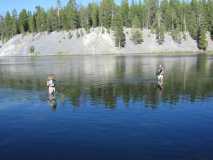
<point>160,85</point>
<point>160,82</point>
<point>52,102</point>
<point>160,77</point>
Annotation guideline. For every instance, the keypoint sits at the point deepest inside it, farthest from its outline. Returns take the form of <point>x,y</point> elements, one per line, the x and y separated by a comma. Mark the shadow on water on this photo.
<point>104,80</point>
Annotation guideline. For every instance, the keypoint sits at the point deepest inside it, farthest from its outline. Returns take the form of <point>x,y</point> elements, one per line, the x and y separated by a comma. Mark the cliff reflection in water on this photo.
<point>104,80</point>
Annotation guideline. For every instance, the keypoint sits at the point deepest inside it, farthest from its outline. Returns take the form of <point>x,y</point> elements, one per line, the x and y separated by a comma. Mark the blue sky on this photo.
<point>6,5</point>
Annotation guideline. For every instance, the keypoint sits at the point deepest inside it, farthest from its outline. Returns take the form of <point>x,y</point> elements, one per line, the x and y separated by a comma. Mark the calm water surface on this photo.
<point>107,108</point>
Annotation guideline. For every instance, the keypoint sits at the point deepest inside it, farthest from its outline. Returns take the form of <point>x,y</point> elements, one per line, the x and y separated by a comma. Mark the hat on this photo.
<point>51,77</point>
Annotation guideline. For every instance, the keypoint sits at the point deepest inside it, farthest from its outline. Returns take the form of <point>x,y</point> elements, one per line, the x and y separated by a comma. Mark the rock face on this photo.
<point>79,42</point>
<point>169,45</point>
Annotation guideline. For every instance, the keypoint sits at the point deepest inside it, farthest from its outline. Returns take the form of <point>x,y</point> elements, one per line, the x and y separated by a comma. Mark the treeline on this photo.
<point>176,17</point>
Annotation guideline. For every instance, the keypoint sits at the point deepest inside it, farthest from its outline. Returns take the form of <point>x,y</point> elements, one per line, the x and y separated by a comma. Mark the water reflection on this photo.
<point>104,80</point>
<point>52,102</point>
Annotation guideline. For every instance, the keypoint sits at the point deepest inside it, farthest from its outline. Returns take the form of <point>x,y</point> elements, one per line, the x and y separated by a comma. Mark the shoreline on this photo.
<point>151,54</point>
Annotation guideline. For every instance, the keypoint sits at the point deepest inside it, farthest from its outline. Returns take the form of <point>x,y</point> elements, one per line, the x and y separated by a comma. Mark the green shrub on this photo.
<point>137,36</point>
<point>78,35</point>
<point>184,36</point>
<point>176,36</point>
<point>88,30</point>
<point>82,33</point>
<point>70,35</point>
<point>60,53</point>
<point>108,31</point>
<point>160,35</point>
<point>120,39</point>
<point>33,52</point>
<point>32,49</point>
<point>103,31</point>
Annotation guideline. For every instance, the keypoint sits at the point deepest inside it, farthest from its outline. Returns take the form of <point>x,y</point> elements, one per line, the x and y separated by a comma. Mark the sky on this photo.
<point>9,5</point>
<point>6,5</point>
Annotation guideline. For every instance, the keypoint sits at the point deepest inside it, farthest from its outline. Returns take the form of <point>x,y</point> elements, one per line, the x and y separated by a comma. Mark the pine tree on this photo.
<point>209,16</point>
<point>159,25</point>
<point>137,36</point>
<point>84,18</point>
<point>106,13</point>
<point>94,14</point>
<point>64,20</point>
<point>193,19</point>
<point>120,38</point>
<point>133,11</point>
<point>192,25</point>
<point>136,22</point>
<point>150,10</point>
<point>59,20</point>
<point>8,26</point>
<point>183,19</point>
<point>211,32</point>
<point>160,34</point>
<point>23,21</point>
<point>125,12</point>
<point>52,20</point>
<point>202,39</point>
<point>141,13</point>
<point>31,23</point>
<point>1,27</point>
<point>14,28</point>
<point>71,15</point>
<point>41,19</point>
<point>176,35</point>
<point>165,14</point>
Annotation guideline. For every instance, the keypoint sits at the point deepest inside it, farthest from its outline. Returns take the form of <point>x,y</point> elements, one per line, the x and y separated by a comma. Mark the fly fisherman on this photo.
<point>51,85</point>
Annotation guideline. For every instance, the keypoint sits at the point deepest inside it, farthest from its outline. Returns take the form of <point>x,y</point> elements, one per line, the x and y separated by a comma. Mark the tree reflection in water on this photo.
<point>104,80</point>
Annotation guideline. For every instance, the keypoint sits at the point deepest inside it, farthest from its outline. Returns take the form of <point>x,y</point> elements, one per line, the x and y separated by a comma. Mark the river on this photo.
<point>106,107</point>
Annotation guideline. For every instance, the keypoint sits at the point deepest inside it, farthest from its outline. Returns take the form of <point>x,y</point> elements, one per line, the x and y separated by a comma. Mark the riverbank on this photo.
<point>96,42</point>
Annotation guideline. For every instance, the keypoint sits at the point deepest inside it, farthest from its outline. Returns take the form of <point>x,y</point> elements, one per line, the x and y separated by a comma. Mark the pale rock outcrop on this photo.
<point>80,42</point>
